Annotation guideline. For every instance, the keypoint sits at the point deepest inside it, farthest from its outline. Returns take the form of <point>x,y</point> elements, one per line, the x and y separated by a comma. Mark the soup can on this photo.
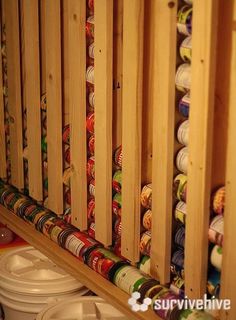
<point>147,220</point>
<point>180,187</point>
<point>91,230</point>
<point>90,74</point>
<point>181,211</point>
<point>144,265</point>
<point>216,230</point>
<point>116,204</point>
<point>184,20</point>
<point>90,27</point>
<point>146,196</point>
<point>145,243</point>
<point>118,157</point>
<point>182,160</point>
<point>117,181</point>
<point>91,144</point>
<point>91,98</point>
<point>145,287</point>
<point>216,257</point>
<point>183,77</point>
<point>91,50</point>
<point>67,155</point>
<point>66,134</point>
<point>90,122</point>
<point>179,237</point>
<point>177,263</point>
<point>117,226</point>
<point>184,105</point>
<point>92,188</point>
<point>183,133</point>
<point>91,167</point>
<point>186,49</point>
<point>219,201</point>
<point>68,197</point>
<point>177,286</point>
<point>91,209</point>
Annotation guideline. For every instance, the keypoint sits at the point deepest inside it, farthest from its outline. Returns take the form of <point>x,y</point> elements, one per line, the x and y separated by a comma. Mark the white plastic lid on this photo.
<point>27,271</point>
<point>80,308</point>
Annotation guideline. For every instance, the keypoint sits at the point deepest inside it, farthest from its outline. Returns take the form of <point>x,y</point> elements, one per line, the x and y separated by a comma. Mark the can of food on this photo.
<point>129,279</point>
<point>183,77</point>
<point>118,157</point>
<point>219,201</point>
<point>44,144</point>
<point>90,122</point>
<point>145,287</point>
<point>66,134</point>
<point>177,263</point>
<point>90,75</point>
<point>64,234</point>
<point>68,197</point>
<point>147,220</point>
<point>216,230</point>
<point>91,209</point>
<point>180,236</point>
<point>181,211</point>
<point>91,50</point>
<point>15,200</point>
<point>185,49</point>
<point>67,155</point>
<point>184,105</point>
<point>91,4</point>
<point>91,98</point>
<point>8,199</point>
<point>183,133</point>
<point>168,313</point>
<point>18,203</point>
<point>193,314</point>
<point>144,265</point>
<point>48,226</point>
<point>213,282</point>
<point>91,167</point>
<point>117,226</point>
<point>91,144</point>
<point>156,291</point>
<point>182,160</point>
<point>67,215</point>
<point>91,230</point>
<point>117,181</point>
<point>177,286</point>
<point>216,257</point>
<point>7,192</point>
<point>92,188</point>
<point>43,103</point>
<point>184,20</point>
<point>146,196</point>
<point>90,27</point>
<point>116,204</point>
<point>54,233</point>
<point>180,187</point>
<point>22,207</point>
<point>145,243</point>
<point>32,211</point>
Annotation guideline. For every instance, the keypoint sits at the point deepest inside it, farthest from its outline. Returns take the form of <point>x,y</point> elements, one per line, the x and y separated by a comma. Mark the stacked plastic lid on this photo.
<point>80,308</point>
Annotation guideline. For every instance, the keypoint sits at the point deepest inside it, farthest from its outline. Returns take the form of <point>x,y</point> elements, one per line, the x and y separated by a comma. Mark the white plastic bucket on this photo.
<point>81,308</point>
<point>29,281</point>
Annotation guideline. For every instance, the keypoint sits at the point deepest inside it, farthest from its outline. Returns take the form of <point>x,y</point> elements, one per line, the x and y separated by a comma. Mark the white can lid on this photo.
<point>27,271</point>
<point>80,308</point>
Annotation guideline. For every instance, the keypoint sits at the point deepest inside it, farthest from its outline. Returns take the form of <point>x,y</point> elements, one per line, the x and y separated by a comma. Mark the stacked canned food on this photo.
<point>5,99</point>
<point>90,117</point>
<point>183,84</point>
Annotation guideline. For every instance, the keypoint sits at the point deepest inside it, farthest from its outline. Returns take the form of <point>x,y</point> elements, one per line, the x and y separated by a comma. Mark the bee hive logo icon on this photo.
<point>139,307</point>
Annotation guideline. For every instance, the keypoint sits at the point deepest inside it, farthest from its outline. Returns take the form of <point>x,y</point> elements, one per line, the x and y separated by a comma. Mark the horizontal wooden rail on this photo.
<point>72,265</point>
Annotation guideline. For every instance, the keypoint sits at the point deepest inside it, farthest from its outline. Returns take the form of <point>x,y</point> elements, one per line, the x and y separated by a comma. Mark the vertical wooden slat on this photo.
<point>228,277</point>
<point>3,166</point>
<point>77,108</point>
<point>31,84</point>
<point>131,126</point>
<point>42,7</point>
<point>200,146</point>
<point>163,138</point>
<point>54,105</point>
<point>14,91</point>
<point>103,43</point>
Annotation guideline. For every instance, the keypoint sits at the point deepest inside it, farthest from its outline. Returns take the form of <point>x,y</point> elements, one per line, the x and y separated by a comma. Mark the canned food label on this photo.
<point>182,160</point>
<point>91,50</point>
<point>180,211</point>
<point>186,49</point>
<point>183,77</point>
<point>183,133</point>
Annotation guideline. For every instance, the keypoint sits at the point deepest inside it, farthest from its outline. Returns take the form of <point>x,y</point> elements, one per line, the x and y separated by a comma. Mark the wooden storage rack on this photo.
<point>135,52</point>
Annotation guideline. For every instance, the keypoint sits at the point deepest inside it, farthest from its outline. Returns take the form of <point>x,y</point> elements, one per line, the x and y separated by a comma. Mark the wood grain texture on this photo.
<point>14,91</point>
<point>54,105</point>
<point>76,83</point>
<point>133,28</point>
<point>228,278</point>
<point>163,138</point>
<point>72,265</point>
<point>103,73</point>
<point>3,164</point>
<point>200,146</point>
<point>31,88</point>
<point>42,15</point>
